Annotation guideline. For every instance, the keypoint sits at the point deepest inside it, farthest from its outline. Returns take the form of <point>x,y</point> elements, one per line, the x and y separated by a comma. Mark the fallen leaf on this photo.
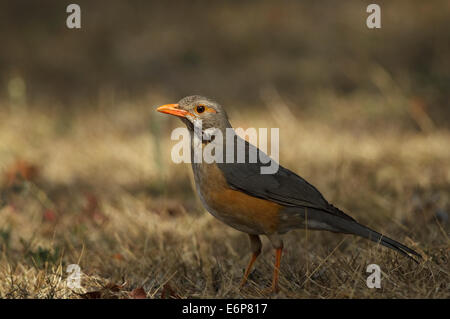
<point>92,295</point>
<point>117,256</point>
<point>115,287</point>
<point>169,292</point>
<point>19,171</point>
<point>92,209</point>
<point>138,293</point>
<point>49,215</point>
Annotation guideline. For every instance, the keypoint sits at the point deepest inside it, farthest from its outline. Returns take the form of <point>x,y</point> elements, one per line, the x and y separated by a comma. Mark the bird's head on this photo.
<point>195,108</point>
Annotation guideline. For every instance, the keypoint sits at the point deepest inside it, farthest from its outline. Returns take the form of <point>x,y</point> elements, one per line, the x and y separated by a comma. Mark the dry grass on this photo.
<point>107,197</point>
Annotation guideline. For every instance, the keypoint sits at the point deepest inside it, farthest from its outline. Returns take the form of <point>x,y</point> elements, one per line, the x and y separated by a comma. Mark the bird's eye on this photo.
<point>200,109</point>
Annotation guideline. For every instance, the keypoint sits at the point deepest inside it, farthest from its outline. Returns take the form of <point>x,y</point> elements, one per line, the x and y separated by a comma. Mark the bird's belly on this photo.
<point>237,221</point>
<point>243,212</point>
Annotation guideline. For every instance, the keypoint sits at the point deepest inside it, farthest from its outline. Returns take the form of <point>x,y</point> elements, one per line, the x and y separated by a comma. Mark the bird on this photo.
<point>270,205</point>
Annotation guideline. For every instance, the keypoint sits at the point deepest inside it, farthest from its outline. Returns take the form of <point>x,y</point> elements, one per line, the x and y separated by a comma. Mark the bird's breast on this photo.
<point>235,208</point>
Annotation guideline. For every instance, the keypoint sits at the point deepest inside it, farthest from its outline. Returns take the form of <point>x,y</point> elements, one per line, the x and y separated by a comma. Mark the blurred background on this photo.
<point>85,161</point>
<point>229,50</point>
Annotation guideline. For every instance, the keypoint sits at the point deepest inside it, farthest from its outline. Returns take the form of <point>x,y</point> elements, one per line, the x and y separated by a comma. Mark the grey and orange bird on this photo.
<point>260,204</point>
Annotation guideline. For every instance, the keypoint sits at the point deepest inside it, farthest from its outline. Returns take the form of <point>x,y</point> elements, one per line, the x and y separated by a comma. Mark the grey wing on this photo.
<point>290,190</point>
<point>283,187</point>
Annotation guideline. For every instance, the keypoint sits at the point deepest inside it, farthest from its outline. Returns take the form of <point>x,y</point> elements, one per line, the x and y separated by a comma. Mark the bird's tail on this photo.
<point>353,227</point>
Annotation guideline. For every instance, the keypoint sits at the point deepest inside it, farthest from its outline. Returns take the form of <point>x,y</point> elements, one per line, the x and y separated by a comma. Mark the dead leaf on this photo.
<point>92,295</point>
<point>19,171</point>
<point>92,209</point>
<point>49,215</point>
<point>169,292</point>
<point>117,256</point>
<point>138,293</point>
<point>114,287</point>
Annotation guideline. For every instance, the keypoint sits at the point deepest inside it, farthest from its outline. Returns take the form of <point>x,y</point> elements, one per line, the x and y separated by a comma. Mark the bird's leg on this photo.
<point>255,245</point>
<point>278,245</point>
<point>276,270</point>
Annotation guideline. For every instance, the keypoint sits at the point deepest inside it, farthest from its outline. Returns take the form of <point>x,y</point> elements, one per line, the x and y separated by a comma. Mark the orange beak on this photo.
<point>172,109</point>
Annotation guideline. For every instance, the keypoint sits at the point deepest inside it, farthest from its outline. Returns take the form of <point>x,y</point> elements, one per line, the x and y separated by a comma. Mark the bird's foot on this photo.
<point>242,284</point>
<point>272,290</point>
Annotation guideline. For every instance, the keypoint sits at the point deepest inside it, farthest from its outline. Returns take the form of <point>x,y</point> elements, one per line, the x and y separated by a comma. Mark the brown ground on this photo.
<point>97,188</point>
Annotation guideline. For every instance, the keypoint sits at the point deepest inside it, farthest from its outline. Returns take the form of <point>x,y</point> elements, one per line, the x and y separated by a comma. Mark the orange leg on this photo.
<point>276,270</point>
<point>249,268</point>
<point>255,245</point>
